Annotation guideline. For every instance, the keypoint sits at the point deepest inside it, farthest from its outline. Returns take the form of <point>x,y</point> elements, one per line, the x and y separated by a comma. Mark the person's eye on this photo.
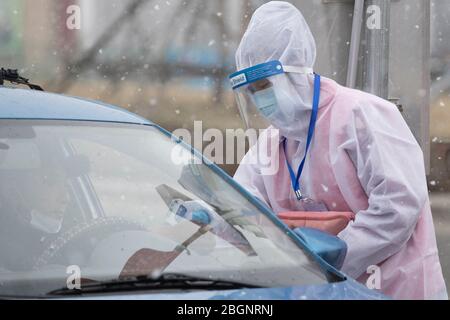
<point>263,85</point>
<point>259,87</point>
<point>266,85</point>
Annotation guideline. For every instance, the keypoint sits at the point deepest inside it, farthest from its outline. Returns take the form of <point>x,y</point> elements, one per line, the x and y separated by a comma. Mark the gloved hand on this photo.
<point>331,222</point>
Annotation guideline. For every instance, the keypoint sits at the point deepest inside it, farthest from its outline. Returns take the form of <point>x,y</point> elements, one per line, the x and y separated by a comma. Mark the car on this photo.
<point>100,203</point>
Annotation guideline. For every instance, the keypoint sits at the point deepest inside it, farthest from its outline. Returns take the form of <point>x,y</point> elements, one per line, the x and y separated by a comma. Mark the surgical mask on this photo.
<point>45,223</point>
<point>277,107</point>
<point>293,114</point>
<point>266,101</point>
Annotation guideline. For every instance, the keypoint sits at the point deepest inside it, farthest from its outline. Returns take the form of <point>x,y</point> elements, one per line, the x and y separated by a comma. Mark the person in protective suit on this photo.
<point>339,150</point>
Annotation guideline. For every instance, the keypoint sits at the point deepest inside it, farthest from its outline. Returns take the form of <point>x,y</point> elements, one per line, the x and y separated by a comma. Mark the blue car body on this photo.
<point>20,104</point>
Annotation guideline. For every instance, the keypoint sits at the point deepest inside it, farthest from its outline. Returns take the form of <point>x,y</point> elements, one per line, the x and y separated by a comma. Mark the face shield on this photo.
<point>265,94</point>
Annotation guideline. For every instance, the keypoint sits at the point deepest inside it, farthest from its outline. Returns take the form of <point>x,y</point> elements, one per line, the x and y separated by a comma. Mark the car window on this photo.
<point>21,155</point>
<point>104,196</point>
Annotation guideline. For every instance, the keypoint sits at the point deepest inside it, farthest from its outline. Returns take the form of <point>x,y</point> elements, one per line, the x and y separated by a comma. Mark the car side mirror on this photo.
<point>330,248</point>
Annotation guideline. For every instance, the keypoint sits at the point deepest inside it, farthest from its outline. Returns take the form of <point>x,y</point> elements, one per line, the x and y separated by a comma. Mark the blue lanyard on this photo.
<point>295,179</point>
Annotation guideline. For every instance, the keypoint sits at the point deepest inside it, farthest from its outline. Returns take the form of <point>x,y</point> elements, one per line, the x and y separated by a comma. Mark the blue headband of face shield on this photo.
<point>263,97</point>
<point>263,71</point>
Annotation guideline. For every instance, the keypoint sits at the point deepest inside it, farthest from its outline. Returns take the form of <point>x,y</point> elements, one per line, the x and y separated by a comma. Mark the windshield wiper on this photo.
<point>166,281</point>
<point>12,75</point>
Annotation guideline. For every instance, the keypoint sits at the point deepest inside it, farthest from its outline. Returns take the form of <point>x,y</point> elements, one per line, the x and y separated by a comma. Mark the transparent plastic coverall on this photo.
<point>363,158</point>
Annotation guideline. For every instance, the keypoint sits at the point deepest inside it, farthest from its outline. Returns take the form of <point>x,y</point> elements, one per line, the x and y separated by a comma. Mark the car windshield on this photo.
<point>102,201</point>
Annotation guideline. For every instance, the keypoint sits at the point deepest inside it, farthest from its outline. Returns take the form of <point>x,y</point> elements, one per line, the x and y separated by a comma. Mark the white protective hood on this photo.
<point>278,31</point>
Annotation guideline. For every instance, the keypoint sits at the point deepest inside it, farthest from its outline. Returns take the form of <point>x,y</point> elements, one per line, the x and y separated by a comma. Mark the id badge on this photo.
<point>311,205</point>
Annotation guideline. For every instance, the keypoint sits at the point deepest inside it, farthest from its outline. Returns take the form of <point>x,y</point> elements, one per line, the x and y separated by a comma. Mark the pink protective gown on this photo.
<point>363,159</point>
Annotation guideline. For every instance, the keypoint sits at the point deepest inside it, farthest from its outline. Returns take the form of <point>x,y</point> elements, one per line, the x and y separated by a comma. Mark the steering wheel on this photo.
<point>81,240</point>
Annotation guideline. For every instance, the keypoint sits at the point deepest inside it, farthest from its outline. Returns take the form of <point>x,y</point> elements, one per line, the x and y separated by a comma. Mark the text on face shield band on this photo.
<point>262,71</point>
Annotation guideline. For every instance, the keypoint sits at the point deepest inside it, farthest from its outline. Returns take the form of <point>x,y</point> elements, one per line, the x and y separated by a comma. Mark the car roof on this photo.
<point>16,103</point>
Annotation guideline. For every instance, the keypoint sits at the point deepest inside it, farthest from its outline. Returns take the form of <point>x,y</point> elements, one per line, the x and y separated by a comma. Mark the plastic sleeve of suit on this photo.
<point>249,174</point>
<point>390,167</point>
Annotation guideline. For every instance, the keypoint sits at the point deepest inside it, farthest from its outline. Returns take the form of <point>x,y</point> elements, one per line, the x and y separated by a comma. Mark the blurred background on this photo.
<point>168,60</point>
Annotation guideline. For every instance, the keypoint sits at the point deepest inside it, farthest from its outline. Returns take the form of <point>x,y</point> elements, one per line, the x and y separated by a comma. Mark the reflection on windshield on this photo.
<point>108,200</point>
